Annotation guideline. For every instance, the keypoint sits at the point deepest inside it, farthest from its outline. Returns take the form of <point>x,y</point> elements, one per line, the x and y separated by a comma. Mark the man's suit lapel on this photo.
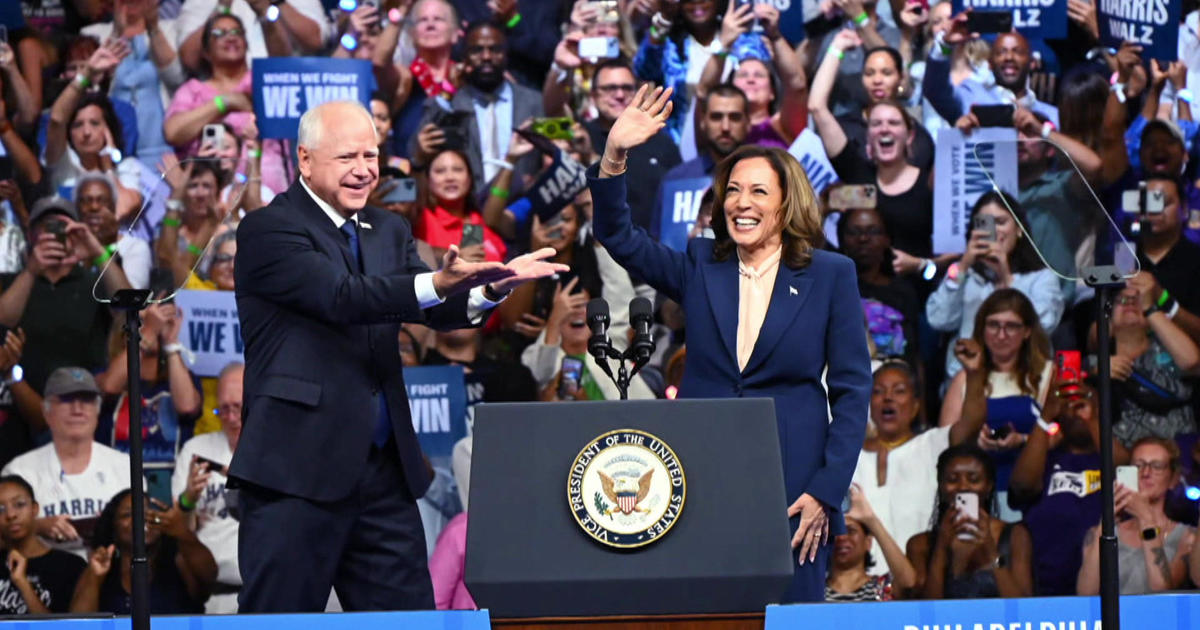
<point>370,244</point>
<point>721,282</point>
<point>322,225</point>
<point>787,297</point>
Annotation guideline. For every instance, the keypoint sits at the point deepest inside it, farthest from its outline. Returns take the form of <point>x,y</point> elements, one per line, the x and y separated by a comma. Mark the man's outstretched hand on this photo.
<point>458,275</point>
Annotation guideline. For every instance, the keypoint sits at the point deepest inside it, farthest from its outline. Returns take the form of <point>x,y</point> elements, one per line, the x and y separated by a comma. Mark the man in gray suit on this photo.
<point>483,114</point>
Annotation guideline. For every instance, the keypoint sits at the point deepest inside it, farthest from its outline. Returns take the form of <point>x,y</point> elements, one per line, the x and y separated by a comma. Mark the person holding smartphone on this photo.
<point>450,205</point>
<point>1152,549</point>
<point>998,256</point>
<point>970,554</point>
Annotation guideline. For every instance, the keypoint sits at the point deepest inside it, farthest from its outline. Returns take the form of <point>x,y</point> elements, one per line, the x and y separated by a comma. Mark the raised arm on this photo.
<point>105,59</point>
<point>864,24</point>
<point>974,401</point>
<point>828,127</point>
<point>793,113</point>
<point>904,576</point>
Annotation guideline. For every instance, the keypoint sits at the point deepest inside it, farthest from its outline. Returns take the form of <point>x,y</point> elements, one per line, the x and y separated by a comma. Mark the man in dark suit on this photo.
<point>487,109</point>
<point>328,464</point>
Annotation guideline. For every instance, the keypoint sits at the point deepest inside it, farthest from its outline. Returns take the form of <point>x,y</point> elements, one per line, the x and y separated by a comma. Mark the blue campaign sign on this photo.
<point>1046,19</point>
<point>791,18</point>
<point>437,398</point>
<point>1162,612</point>
<point>286,87</point>
<point>680,205</point>
<point>1152,24</point>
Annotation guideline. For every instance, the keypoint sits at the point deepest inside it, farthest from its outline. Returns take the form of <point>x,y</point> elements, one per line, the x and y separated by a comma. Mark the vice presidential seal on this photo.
<point>626,488</point>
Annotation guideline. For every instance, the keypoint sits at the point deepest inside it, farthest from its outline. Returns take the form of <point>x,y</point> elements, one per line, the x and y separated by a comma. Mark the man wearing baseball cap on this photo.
<point>51,299</point>
<point>73,476</point>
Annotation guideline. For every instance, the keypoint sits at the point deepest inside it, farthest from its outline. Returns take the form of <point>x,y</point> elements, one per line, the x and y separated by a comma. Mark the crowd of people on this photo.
<point>130,151</point>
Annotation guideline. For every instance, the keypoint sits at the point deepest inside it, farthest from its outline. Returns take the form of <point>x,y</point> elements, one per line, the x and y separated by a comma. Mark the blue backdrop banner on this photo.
<point>286,87</point>
<point>1161,612</point>
<point>415,620</point>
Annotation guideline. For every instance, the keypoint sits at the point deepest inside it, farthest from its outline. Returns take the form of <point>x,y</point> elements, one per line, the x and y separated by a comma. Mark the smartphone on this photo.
<point>554,128</point>
<point>472,235</point>
<point>213,135</point>
<point>213,466</point>
<point>599,48</point>
<point>1155,203</point>
<point>967,503</point>
<point>993,115</point>
<point>989,21</point>
<point>852,196</point>
<point>986,223</point>
<point>1128,476</point>
<point>404,190</point>
<point>1070,372</point>
<point>1001,433</point>
<point>58,228</point>
<point>571,375</point>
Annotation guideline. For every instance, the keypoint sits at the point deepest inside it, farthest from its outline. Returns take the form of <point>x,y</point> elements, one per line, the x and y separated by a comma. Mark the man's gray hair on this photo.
<point>95,177</point>
<point>311,129</point>
<point>230,368</point>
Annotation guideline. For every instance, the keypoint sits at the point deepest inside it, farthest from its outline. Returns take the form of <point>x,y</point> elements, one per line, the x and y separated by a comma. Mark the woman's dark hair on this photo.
<point>965,450</point>
<point>800,213</point>
<point>99,99</point>
<point>1035,350</point>
<point>1077,97</point>
<point>678,32</point>
<point>897,60</point>
<point>199,167</point>
<point>773,76</point>
<point>425,196</point>
<point>894,104</point>
<point>18,480</point>
<point>206,39</point>
<point>105,532</point>
<point>1024,258</point>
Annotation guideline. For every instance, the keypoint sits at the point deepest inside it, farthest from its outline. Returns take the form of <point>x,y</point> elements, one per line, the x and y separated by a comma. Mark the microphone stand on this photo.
<point>624,375</point>
<point>1106,280</point>
<point>131,302</point>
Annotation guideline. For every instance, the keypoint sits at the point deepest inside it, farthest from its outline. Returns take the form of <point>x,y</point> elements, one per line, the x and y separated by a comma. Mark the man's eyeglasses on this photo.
<point>1127,300</point>
<point>1155,466</point>
<point>221,259</point>
<point>613,88</point>
<point>1008,328</point>
<point>15,506</point>
<point>218,33</point>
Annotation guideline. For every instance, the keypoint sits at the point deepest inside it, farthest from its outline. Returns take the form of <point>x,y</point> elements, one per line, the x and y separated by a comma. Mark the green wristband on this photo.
<point>220,103</point>
<point>1163,297</point>
<point>192,249</point>
<point>862,18</point>
<point>513,21</point>
<point>841,54</point>
<point>256,153</point>
<point>172,222</point>
<point>103,258</point>
<point>185,503</point>
<point>499,192</point>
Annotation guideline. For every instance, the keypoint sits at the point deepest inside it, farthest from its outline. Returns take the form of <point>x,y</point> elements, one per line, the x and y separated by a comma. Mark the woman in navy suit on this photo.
<point>769,314</point>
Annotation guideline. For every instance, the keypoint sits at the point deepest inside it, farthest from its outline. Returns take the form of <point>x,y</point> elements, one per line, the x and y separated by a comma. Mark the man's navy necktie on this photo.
<point>383,420</point>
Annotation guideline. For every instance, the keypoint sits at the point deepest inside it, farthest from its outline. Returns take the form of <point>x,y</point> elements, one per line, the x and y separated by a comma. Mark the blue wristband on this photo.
<point>521,209</point>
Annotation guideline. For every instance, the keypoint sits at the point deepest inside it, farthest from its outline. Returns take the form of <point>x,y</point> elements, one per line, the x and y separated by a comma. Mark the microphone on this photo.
<point>597,319</point>
<point>641,316</point>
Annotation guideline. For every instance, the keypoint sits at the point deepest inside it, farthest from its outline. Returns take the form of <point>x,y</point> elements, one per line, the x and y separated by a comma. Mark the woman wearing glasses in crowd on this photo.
<point>1004,260</point>
<point>223,96</point>
<point>1152,549</point>
<point>1006,373</point>
<point>1153,357</point>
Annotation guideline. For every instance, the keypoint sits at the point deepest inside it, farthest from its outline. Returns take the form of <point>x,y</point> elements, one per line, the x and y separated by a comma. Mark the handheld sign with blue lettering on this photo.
<point>437,398</point>
<point>286,87</point>
<point>1152,24</point>
<point>808,149</point>
<point>211,329</point>
<point>1046,19</point>
<point>680,206</point>
<point>962,178</point>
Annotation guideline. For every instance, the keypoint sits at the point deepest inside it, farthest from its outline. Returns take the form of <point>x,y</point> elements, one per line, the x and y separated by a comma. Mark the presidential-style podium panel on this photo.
<point>627,508</point>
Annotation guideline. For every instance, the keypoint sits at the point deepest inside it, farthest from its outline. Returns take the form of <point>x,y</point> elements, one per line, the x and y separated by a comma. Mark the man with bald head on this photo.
<point>1010,61</point>
<point>328,466</point>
